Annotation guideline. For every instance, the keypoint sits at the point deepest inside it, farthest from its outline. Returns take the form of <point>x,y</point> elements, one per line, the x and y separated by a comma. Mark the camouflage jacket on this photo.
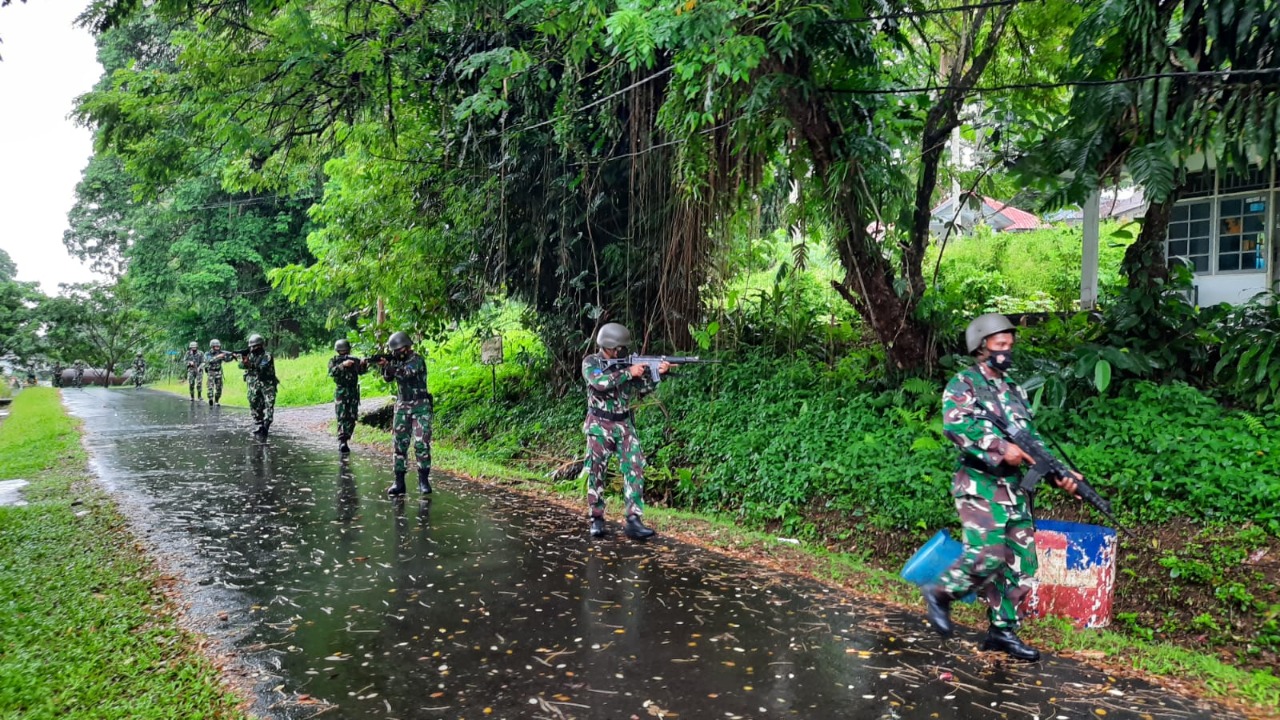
<point>259,369</point>
<point>193,360</point>
<point>348,378</point>
<point>979,389</point>
<point>213,362</point>
<point>410,376</point>
<point>139,364</point>
<point>611,389</point>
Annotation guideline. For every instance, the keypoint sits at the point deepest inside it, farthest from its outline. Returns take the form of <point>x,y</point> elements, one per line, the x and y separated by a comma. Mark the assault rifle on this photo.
<point>1047,466</point>
<point>379,357</point>
<point>653,361</point>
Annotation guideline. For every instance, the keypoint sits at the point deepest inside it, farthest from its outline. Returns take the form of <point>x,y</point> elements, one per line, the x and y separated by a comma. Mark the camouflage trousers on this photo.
<point>604,438</point>
<point>214,391</point>
<point>412,422</point>
<point>79,378</point>
<point>999,560</point>
<point>262,403</point>
<point>193,384</point>
<point>137,378</point>
<point>346,405</point>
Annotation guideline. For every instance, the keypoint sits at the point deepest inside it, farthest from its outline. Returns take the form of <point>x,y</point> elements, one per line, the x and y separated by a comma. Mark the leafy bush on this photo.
<point>1249,366</point>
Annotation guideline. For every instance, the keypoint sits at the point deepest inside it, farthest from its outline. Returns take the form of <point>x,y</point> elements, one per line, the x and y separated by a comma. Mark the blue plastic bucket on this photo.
<point>933,559</point>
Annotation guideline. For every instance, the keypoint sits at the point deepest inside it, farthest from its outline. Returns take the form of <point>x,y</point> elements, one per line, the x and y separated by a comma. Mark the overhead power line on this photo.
<point>1054,85</point>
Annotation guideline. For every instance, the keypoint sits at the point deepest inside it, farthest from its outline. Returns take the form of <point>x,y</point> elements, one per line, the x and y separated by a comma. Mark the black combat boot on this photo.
<point>342,446</point>
<point>398,489</point>
<point>1006,641</point>
<point>210,401</point>
<point>424,482</point>
<point>636,529</point>
<point>598,529</point>
<point>937,603</point>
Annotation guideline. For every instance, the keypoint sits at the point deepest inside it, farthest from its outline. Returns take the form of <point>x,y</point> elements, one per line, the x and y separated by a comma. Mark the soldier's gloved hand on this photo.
<point>1013,455</point>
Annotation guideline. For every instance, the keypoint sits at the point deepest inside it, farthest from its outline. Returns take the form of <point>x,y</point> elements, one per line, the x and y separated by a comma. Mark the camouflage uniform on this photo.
<point>999,558</point>
<point>195,364</point>
<point>79,376</point>
<point>260,377</point>
<point>346,393</point>
<point>213,375</point>
<point>139,371</point>
<point>413,411</point>
<point>56,377</point>
<point>609,429</point>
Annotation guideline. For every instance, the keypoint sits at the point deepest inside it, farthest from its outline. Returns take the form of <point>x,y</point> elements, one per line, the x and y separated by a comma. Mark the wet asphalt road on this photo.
<point>482,604</point>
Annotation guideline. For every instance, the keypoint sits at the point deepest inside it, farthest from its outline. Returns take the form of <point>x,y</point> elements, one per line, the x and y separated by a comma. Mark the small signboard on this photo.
<point>491,351</point>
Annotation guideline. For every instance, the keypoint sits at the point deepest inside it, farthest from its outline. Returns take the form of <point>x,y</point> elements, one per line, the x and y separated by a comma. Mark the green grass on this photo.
<point>87,634</point>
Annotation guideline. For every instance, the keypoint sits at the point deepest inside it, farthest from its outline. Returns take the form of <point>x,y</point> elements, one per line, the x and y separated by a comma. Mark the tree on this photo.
<point>98,322</point>
<point>19,324</point>
<point>1159,81</point>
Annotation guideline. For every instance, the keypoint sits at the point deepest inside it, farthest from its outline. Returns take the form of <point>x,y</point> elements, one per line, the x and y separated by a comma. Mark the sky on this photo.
<point>46,63</point>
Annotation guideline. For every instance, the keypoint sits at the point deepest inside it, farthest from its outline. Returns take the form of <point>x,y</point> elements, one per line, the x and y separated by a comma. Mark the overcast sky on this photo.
<point>46,63</point>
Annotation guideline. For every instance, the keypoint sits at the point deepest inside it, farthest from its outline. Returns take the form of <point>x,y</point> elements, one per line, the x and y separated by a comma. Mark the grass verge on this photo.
<point>1256,693</point>
<point>87,632</point>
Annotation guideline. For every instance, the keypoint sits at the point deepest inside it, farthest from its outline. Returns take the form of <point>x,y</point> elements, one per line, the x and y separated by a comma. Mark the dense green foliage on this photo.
<point>83,624</point>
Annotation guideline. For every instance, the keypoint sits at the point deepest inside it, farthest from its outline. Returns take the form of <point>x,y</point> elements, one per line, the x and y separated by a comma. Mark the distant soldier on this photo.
<point>346,371</point>
<point>139,370</point>
<point>56,378</point>
<point>195,361</point>
<point>78,381</point>
<point>213,371</point>
<point>999,560</point>
<point>260,377</point>
<point>413,411</point>
<point>609,429</point>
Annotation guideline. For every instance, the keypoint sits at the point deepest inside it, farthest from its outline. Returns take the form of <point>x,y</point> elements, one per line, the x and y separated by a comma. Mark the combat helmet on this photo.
<point>193,345</point>
<point>983,327</point>
<point>398,340</point>
<point>342,347</point>
<point>613,335</point>
<point>256,340</point>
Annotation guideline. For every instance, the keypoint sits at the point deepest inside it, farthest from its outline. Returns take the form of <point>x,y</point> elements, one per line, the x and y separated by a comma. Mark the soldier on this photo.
<point>260,377</point>
<point>78,381</point>
<point>195,362</point>
<point>139,370</point>
<point>56,377</point>
<point>413,411</point>
<point>213,371</point>
<point>999,559</point>
<point>346,371</point>
<point>609,429</point>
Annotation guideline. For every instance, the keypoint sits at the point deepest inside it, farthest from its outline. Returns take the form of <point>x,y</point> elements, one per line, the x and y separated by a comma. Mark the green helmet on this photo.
<point>983,327</point>
<point>255,340</point>
<point>193,345</point>
<point>399,340</point>
<point>613,335</point>
<point>215,344</point>
<point>342,347</point>
<point>138,355</point>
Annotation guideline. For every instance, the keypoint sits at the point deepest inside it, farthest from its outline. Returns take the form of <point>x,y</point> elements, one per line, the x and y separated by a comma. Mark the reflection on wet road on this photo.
<point>482,604</point>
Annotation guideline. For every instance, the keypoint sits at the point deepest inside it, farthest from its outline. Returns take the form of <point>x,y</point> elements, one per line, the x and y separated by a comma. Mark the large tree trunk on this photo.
<point>868,284</point>
<point>1144,261</point>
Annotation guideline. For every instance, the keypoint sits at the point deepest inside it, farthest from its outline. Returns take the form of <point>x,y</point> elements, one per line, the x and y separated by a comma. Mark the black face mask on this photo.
<point>1000,361</point>
<point>256,349</point>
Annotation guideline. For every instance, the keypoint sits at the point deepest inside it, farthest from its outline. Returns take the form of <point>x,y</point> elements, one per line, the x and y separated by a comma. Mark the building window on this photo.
<point>1189,233</point>
<point>1242,227</point>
